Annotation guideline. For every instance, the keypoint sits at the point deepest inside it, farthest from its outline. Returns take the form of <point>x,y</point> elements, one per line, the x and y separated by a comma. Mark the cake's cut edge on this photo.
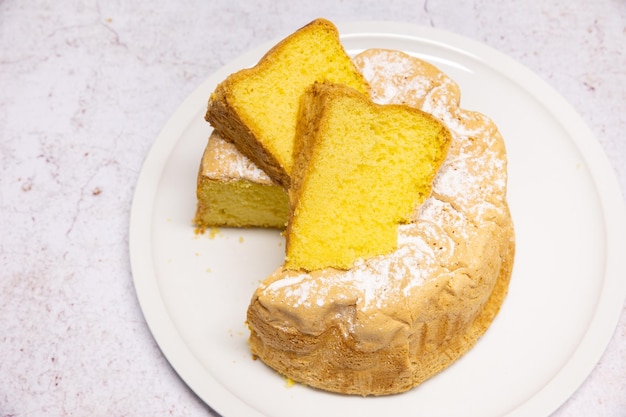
<point>232,192</point>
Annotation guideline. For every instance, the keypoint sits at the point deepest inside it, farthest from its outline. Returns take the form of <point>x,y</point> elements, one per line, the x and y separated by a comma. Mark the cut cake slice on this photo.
<point>256,108</point>
<point>360,170</point>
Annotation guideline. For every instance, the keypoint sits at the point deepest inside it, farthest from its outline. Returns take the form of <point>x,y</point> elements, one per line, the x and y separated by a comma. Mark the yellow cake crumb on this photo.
<point>289,382</point>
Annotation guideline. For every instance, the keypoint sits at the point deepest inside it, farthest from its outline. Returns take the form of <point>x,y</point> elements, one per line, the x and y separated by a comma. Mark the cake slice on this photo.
<point>256,108</point>
<point>360,170</point>
<point>233,192</point>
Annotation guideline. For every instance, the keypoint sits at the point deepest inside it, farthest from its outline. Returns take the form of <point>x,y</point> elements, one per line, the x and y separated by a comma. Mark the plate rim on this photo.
<point>608,308</point>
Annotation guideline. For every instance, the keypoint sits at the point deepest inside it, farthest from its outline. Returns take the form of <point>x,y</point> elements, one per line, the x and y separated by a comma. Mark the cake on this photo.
<point>360,169</point>
<point>233,192</point>
<point>392,321</point>
<point>256,108</point>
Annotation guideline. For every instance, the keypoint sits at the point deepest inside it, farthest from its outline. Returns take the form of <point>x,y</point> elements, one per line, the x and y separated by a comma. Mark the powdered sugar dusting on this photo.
<point>397,81</point>
<point>223,162</point>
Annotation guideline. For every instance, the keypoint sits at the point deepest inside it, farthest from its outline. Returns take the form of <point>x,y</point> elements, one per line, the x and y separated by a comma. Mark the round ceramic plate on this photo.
<point>566,292</point>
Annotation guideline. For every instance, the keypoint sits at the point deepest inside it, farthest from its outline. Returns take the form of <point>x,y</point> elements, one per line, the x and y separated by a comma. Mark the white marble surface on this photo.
<point>85,87</point>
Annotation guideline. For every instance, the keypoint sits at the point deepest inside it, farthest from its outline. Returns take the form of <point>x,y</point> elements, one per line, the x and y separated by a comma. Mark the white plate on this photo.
<point>566,292</point>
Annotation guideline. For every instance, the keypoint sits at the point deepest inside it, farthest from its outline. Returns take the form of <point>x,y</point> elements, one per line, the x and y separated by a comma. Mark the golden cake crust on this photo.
<point>393,321</point>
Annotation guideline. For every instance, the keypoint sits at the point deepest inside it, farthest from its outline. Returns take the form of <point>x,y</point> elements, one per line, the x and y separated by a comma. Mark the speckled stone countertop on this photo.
<point>86,87</point>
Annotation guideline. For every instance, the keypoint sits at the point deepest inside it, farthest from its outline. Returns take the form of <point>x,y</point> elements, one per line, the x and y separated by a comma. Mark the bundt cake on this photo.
<point>391,321</point>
